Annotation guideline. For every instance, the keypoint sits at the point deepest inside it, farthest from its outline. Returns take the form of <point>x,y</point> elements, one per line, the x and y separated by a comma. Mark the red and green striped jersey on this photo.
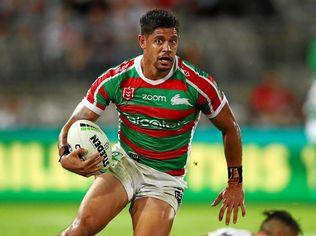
<point>157,118</point>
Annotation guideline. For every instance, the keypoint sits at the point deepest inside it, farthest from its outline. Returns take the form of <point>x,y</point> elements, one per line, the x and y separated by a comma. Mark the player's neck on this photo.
<point>151,72</point>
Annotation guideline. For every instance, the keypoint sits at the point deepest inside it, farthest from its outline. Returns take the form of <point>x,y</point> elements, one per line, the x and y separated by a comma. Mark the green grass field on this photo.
<point>193,219</point>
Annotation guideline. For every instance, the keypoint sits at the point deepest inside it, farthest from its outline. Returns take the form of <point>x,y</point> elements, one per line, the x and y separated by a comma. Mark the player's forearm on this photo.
<point>62,138</point>
<point>233,154</point>
<point>80,113</point>
<point>233,146</point>
<point>63,148</point>
<point>226,123</point>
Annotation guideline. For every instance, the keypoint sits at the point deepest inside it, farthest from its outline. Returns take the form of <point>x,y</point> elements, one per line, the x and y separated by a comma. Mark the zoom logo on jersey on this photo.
<point>101,149</point>
<point>155,98</point>
<point>144,122</point>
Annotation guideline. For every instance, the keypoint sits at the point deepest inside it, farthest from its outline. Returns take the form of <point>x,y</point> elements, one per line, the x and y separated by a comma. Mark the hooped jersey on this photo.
<point>157,118</point>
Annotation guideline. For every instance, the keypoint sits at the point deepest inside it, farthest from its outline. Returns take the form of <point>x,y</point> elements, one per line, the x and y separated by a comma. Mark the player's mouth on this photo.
<point>165,60</point>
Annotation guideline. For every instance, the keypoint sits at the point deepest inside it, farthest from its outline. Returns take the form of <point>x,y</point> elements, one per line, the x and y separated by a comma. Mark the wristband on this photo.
<point>66,151</point>
<point>235,174</point>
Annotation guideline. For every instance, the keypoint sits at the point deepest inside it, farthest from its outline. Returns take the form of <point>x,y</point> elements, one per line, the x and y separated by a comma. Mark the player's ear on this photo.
<point>142,41</point>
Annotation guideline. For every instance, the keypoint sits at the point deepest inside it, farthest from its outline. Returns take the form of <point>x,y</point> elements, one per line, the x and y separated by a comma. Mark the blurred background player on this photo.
<point>309,110</point>
<point>276,223</point>
<point>159,97</point>
<point>310,102</point>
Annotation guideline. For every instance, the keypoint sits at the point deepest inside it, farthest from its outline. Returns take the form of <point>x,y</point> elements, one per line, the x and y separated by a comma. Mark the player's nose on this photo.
<point>166,47</point>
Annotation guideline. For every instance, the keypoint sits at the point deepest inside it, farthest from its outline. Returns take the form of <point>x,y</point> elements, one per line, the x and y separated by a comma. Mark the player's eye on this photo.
<point>174,41</point>
<point>158,41</point>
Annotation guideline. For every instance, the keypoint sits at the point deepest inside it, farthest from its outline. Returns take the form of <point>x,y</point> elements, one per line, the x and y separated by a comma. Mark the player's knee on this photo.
<point>84,226</point>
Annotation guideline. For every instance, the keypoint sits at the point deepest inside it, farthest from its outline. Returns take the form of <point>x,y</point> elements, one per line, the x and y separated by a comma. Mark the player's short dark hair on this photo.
<point>284,217</point>
<point>158,18</point>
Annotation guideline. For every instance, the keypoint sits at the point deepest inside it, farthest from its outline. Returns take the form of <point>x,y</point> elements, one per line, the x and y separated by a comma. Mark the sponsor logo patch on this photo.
<point>155,98</point>
<point>128,93</point>
<point>177,100</point>
<point>178,195</point>
<point>162,124</point>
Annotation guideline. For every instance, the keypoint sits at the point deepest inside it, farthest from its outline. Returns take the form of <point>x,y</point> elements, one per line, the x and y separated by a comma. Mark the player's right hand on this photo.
<point>73,162</point>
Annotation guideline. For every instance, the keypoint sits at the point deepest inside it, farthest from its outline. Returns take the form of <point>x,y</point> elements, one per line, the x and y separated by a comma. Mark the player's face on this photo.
<point>275,228</point>
<point>160,47</point>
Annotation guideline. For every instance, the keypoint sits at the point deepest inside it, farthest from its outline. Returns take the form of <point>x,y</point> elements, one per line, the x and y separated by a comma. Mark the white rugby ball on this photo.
<point>88,135</point>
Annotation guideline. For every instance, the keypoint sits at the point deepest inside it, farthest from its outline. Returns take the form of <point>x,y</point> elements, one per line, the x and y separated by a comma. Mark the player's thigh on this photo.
<point>152,216</point>
<point>104,200</point>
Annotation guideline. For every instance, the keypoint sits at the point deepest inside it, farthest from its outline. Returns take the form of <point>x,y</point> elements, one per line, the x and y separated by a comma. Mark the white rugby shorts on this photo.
<point>141,181</point>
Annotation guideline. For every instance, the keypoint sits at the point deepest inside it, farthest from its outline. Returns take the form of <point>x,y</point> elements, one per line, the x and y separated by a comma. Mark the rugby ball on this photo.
<point>88,135</point>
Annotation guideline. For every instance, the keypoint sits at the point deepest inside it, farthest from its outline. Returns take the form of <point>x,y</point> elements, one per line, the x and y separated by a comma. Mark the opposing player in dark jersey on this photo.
<point>159,98</point>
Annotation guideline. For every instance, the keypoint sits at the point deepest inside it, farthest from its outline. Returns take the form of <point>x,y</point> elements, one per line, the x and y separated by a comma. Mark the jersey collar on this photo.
<point>138,68</point>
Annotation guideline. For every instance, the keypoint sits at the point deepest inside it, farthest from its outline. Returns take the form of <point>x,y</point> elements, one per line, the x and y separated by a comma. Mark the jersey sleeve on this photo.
<point>211,99</point>
<point>98,96</point>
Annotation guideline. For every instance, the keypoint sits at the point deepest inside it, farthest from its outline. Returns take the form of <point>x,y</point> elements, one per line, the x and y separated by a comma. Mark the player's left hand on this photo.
<point>232,198</point>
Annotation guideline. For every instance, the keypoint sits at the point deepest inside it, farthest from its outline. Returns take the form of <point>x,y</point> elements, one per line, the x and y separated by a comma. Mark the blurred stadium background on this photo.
<point>262,53</point>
